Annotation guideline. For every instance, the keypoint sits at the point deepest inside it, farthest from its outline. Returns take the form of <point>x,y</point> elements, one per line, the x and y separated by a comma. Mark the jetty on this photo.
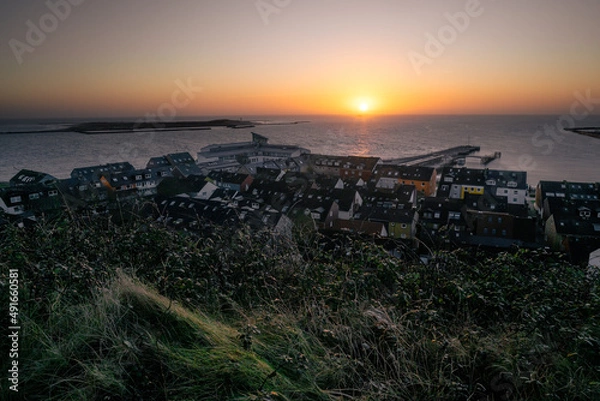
<point>441,158</point>
<point>484,159</point>
<point>445,158</point>
<point>124,127</point>
<point>593,132</point>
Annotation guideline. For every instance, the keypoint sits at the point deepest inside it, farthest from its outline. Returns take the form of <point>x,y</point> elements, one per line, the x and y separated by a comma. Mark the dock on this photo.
<point>484,159</point>
<point>593,132</point>
<point>442,158</point>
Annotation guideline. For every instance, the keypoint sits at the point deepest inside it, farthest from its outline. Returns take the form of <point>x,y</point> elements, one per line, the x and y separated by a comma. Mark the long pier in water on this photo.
<point>441,158</point>
<point>593,132</point>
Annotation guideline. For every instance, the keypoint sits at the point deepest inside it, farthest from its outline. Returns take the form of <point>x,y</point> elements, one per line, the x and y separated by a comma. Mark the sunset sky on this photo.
<point>120,58</point>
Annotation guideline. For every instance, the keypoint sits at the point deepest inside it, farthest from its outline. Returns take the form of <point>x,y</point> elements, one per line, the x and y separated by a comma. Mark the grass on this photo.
<point>128,342</point>
<point>138,312</point>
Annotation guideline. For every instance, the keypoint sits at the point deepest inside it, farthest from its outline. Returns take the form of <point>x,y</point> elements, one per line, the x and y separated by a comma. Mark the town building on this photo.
<point>571,211</point>
<point>199,215</point>
<point>319,210</point>
<point>231,156</point>
<point>443,222</point>
<point>480,207</point>
<point>459,183</point>
<point>550,195</point>
<point>389,176</point>
<point>181,164</point>
<point>396,210</point>
<point>345,167</point>
<point>30,193</point>
<point>234,181</point>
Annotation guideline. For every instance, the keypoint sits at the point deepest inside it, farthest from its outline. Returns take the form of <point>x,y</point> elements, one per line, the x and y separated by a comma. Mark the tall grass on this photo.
<point>135,311</point>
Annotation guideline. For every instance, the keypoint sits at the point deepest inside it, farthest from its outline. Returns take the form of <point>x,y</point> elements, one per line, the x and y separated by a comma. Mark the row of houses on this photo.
<point>274,186</point>
<point>322,204</point>
<point>571,215</point>
<point>30,192</point>
<point>373,170</point>
<point>480,207</point>
<point>472,207</point>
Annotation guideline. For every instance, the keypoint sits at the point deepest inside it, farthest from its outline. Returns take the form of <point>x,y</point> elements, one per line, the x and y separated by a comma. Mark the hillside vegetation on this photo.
<point>135,311</point>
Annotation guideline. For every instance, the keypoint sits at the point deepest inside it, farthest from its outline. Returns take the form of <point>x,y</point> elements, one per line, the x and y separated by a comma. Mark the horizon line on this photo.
<point>264,116</point>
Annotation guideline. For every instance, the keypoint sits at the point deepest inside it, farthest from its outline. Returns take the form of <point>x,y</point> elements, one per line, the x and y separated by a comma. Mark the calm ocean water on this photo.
<point>550,154</point>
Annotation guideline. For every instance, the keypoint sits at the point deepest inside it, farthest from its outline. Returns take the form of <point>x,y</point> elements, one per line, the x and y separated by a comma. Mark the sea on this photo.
<point>536,144</point>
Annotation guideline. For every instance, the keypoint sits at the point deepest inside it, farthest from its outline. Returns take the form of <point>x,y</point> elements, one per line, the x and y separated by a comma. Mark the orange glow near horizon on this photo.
<point>343,58</point>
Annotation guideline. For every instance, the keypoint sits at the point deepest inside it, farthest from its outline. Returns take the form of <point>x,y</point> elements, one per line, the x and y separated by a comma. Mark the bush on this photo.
<point>239,315</point>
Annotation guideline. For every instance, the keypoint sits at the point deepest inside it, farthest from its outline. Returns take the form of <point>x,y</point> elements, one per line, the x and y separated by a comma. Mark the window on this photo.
<point>15,199</point>
<point>34,196</point>
<point>54,192</point>
<point>504,233</point>
<point>403,225</point>
<point>436,215</point>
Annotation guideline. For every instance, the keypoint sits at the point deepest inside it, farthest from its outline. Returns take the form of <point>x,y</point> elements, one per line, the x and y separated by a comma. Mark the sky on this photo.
<point>179,58</point>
